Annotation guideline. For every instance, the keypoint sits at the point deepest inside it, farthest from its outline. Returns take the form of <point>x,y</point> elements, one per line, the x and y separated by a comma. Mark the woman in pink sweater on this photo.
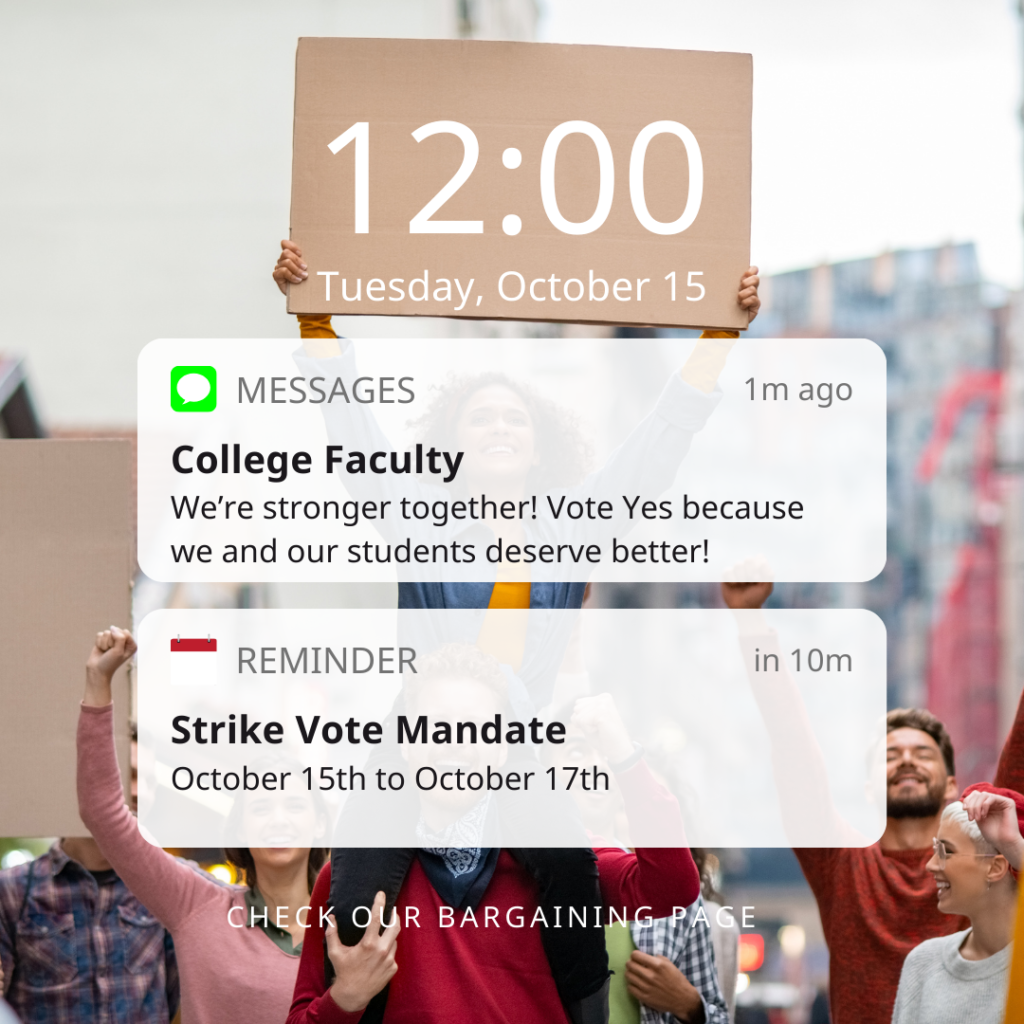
<point>231,969</point>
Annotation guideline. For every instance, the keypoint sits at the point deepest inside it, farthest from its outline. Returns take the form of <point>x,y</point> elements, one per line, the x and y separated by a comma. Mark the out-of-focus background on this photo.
<point>145,153</point>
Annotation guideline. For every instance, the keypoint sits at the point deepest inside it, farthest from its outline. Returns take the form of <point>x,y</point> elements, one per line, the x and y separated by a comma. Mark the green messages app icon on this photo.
<point>193,389</point>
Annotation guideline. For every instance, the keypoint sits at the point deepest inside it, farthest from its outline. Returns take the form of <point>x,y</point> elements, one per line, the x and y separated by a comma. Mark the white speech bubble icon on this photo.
<point>193,387</point>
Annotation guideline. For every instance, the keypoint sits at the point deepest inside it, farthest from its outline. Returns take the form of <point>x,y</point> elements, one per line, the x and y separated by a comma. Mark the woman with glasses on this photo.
<point>961,978</point>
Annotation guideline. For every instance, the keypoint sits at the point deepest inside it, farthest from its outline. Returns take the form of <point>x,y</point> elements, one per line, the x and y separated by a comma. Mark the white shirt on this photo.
<point>938,986</point>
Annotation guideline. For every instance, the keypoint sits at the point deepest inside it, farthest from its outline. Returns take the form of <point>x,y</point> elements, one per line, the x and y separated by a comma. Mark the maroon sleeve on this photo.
<point>311,1001</point>
<point>819,868</point>
<point>1010,773</point>
<point>659,878</point>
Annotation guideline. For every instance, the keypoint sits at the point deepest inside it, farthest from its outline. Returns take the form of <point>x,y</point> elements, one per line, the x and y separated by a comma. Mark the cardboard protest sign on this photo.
<point>521,181</point>
<point>65,567</point>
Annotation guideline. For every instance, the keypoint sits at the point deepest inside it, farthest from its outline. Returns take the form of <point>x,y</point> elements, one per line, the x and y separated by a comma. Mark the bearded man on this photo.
<point>876,902</point>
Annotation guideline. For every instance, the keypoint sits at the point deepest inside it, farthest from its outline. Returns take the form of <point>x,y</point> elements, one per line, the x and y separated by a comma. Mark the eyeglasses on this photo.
<point>943,854</point>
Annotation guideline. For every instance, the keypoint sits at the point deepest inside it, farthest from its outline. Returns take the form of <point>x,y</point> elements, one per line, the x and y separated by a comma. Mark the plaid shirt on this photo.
<point>75,951</point>
<point>686,941</point>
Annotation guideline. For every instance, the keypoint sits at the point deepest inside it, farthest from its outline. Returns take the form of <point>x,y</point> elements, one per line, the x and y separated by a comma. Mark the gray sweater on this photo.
<point>938,986</point>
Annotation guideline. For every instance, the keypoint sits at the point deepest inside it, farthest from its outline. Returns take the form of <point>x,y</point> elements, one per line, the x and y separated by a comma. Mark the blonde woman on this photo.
<point>961,978</point>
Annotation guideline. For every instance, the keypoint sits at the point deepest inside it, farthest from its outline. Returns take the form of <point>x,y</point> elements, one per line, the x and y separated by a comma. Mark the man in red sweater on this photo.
<point>876,902</point>
<point>471,948</point>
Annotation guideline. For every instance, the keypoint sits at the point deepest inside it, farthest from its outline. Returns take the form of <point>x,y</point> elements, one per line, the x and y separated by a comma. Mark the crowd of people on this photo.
<point>919,925</point>
<point>112,928</point>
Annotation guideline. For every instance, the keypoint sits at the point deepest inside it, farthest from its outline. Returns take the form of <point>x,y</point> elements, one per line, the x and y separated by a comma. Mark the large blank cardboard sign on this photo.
<point>522,181</point>
<point>65,573</point>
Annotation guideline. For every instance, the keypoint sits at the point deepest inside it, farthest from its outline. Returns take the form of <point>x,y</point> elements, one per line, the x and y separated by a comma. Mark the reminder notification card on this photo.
<point>481,727</point>
<point>542,460</point>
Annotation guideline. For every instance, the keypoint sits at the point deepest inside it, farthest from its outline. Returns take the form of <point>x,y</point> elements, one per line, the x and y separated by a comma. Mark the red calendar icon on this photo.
<point>193,661</point>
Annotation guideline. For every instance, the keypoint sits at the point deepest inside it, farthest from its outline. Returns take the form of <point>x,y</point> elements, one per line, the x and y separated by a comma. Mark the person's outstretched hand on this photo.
<point>362,970</point>
<point>113,647</point>
<point>748,298</point>
<point>996,817</point>
<point>290,269</point>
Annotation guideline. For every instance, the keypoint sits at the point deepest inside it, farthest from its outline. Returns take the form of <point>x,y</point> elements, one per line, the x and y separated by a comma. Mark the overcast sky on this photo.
<point>880,123</point>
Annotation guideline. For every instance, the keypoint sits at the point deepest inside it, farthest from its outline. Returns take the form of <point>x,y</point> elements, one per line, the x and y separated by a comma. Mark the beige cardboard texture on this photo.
<point>65,573</point>
<point>514,96</point>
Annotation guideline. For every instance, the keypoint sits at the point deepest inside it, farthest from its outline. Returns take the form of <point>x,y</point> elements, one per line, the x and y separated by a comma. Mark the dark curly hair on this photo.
<point>242,859</point>
<point>455,661</point>
<point>566,453</point>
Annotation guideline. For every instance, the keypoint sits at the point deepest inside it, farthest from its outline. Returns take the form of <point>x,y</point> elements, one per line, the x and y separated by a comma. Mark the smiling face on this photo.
<point>454,699</point>
<point>961,873</point>
<point>496,432</point>
<point>271,858</point>
<point>917,783</point>
<point>278,819</point>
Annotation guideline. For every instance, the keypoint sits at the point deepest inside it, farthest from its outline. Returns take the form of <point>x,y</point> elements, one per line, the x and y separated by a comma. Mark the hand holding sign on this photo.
<point>748,297</point>
<point>289,268</point>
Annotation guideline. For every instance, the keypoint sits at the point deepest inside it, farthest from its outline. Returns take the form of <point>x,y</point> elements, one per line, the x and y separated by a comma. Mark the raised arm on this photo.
<point>169,889</point>
<point>801,779</point>
<point>1010,773</point>
<point>318,337</point>
<point>707,360</point>
<point>647,461</point>
<point>656,879</point>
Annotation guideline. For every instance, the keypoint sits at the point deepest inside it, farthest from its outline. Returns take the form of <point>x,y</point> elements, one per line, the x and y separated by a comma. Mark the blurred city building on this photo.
<point>950,594</point>
<point>948,591</point>
<point>120,231</point>
<point>166,222</point>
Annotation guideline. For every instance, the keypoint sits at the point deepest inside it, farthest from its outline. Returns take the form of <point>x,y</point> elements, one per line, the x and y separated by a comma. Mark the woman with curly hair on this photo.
<point>496,422</point>
<point>515,444</point>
